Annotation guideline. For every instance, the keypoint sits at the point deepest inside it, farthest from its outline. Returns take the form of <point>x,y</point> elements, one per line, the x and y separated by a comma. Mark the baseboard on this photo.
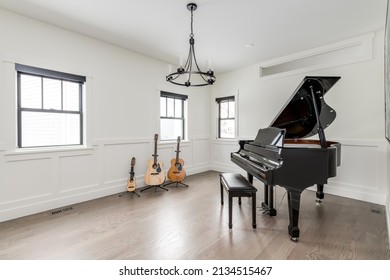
<point>58,202</point>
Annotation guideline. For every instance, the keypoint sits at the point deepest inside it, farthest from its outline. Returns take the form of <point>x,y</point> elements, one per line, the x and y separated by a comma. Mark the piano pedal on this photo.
<point>263,210</point>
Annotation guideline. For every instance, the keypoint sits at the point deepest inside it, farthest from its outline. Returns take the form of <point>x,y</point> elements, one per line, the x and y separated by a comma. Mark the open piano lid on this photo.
<point>298,114</point>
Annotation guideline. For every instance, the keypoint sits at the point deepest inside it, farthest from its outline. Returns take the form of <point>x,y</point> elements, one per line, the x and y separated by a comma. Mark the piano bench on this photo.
<point>237,186</point>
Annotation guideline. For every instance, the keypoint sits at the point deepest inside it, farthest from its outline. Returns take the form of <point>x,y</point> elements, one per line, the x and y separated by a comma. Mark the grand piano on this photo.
<point>281,156</point>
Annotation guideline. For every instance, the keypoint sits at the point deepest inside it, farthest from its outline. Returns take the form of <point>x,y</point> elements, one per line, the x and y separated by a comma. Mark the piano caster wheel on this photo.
<point>318,202</point>
<point>294,239</point>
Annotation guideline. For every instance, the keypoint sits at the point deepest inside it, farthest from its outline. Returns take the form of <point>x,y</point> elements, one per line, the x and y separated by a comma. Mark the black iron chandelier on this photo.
<point>191,69</point>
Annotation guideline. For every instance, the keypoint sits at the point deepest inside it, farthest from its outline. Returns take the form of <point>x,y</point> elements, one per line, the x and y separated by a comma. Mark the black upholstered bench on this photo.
<point>237,186</point>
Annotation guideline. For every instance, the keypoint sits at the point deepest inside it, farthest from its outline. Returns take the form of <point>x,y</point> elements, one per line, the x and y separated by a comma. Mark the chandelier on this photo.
<point>191,69</point>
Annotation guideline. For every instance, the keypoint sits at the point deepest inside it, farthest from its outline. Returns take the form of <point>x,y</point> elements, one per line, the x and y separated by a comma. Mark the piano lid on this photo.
<point>298,114</point>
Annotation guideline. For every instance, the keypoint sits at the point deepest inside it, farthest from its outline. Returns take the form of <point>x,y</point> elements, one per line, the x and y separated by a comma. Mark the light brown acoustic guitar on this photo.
<point>176,172</point>
<point>131,185</point>
<point>154,175</point>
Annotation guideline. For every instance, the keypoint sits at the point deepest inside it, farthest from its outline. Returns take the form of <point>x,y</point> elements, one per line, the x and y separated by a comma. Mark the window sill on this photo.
<point>170,142</point>
<point>43,150</point>
<point>226,140</point>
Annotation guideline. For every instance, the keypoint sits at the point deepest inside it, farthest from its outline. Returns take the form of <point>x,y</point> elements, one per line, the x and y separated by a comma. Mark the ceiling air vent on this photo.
<point>341,53</point>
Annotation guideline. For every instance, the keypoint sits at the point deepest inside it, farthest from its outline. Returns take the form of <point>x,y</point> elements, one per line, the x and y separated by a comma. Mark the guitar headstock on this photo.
<point>178,139</point>
<point>133,162</point>
<point>155,137</point>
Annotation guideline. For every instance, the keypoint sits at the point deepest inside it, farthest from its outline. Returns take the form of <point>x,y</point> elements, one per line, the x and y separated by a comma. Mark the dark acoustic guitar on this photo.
<point>176,172</point>
<point>131,184</point>
<point>155,174</point>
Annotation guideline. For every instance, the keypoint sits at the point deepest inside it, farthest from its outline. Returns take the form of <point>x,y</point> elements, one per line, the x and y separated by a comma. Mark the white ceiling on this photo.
<point>222,28</point>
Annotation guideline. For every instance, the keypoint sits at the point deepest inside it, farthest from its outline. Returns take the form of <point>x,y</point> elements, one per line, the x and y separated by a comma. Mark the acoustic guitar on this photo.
<point>154,175</point>
<point>131,185</point>
<point>176,172</point>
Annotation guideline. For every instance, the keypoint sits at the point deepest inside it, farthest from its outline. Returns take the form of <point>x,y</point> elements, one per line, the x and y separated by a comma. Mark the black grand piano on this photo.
<point>280,156</point>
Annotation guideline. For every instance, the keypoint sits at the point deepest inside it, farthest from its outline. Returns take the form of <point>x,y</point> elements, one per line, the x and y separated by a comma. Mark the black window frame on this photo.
<point>174,96</point>
<point>220,119</point>
<point>55,75</point>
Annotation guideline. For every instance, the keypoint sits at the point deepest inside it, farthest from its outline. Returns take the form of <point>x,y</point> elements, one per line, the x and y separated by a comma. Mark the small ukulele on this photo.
<point>154,175</point>
<point>176,172</point>
<point>131,185</point>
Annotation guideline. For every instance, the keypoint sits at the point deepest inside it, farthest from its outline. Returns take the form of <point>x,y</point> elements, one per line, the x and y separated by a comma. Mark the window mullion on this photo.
<point>166,106</point>
<point>62,95</point>
<point>19,144</point>
<point>174,107</point>
<point>42,93</point>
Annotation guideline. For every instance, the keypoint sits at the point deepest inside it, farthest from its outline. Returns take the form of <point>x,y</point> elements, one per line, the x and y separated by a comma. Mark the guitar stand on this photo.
<point>157,186</point>
<point>134,192</point>
<point>184,185</point>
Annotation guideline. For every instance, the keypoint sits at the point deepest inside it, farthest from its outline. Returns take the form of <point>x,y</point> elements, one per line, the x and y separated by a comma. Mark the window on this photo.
<point>226,117</point>
<point>173,109</point>
<point>49,107</point>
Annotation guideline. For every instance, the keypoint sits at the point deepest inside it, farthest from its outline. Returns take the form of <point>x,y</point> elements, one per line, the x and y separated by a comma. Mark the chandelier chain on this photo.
<point>192,29</point>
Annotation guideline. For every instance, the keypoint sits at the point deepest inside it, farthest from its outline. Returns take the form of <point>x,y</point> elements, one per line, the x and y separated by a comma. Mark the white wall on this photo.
<point>122,117</point>
<point>122,97</point>
<point>387,195</point>
<point>358,99</point>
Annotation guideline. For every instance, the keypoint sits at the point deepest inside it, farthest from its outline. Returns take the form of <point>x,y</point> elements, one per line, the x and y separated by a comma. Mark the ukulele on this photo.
<point>131,182</point>
<point>176,172</point>
<point>154,175</point>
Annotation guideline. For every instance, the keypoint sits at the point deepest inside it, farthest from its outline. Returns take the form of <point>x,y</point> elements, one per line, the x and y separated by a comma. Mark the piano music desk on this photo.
<point>237,186</point>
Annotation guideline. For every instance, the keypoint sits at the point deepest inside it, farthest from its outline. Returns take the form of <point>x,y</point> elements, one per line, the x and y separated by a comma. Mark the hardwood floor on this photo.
<point>190,223</point>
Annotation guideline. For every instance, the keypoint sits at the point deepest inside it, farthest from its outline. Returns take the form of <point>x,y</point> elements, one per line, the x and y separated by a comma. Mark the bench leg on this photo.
<point>254,210</point>
<point>230,210</point>
<point>239,200</point>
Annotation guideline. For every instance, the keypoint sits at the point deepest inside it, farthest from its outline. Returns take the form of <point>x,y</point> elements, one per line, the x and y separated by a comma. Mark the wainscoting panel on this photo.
<point>362,174</point>
<point>200,154</point>
<point>78,172</point>
<point>27,179</point>
<point>168,152</point>
<point>164,153</point>
<point>185,154</point>
<point>220,151</point>
<point>117,159</point>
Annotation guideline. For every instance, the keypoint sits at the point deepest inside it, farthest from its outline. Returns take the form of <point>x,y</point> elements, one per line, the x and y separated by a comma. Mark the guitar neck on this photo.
<point>177,153</point>
<point>132,173</point>
<point>155,154</point>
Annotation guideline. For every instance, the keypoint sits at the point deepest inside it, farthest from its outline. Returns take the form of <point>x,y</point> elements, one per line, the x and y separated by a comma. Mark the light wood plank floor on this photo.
<point>190,223</point>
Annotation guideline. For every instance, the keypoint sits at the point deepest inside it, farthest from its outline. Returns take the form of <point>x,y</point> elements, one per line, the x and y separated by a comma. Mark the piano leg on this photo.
<point>250,178</point>
<point>268,204</point>
<point>319,193</point>
<point>294,200</point>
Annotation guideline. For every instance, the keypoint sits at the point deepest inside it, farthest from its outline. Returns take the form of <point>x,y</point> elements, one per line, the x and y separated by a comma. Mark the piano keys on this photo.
<point>280,156</point>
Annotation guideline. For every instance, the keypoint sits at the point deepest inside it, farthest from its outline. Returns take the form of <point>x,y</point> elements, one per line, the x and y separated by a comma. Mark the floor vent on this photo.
<point>58,211</point>
<point>376,211</point>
